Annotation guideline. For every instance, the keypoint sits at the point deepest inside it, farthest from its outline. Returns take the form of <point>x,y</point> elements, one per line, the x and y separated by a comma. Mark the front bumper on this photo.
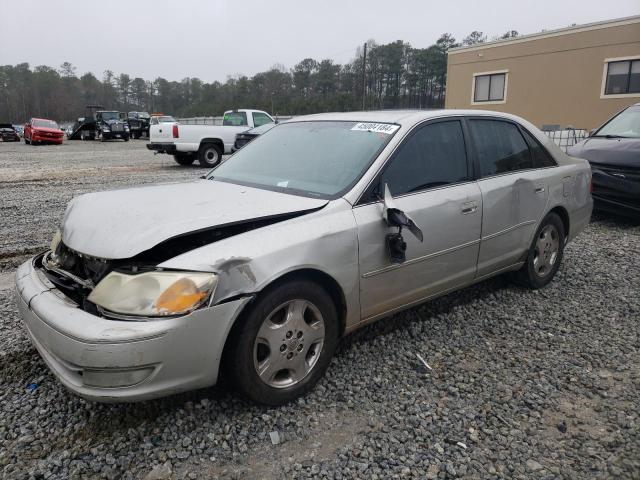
<point>143,359</point>
<point>169,148</point>
<point>615,206</point>
<point>616,192</point>
<point>47,138</point>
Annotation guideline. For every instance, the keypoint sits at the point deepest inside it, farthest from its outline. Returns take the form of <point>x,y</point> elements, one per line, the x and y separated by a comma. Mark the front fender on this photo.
<point>325,240</point>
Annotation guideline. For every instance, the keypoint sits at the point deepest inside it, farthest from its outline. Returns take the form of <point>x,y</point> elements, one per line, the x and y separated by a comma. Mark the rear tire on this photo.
<point>545,254</point>
<point>184,159</point>
<point>209,155</point>
<point>301,323</point>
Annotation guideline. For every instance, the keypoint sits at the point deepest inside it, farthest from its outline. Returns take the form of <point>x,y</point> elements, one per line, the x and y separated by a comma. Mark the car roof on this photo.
<point>400,117</point>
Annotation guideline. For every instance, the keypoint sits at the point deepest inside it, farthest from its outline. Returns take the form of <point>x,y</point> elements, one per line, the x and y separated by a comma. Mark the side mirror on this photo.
<point>396,246</point>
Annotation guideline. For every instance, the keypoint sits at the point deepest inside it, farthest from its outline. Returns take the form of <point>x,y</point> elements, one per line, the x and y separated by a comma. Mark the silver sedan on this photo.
<point>316,228</point>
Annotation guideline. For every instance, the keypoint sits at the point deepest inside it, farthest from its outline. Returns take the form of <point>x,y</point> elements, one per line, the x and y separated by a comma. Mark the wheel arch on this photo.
<point>213,140</point>
<point>323,279</point>
<point>564,216</point>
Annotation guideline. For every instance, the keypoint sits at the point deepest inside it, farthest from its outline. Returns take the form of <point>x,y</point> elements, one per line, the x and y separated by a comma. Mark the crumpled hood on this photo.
<point>621,152</point>
<point>123,223</point>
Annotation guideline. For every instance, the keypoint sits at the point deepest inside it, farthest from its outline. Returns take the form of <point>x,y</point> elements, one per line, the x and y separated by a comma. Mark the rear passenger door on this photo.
<point>514,192</point>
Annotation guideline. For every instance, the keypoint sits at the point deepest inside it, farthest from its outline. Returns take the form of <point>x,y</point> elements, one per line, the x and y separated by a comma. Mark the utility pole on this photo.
<point>364,71</point>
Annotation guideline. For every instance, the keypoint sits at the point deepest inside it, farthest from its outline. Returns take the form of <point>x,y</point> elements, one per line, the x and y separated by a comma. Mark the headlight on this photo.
<point>153,294</point>
<point>105,128</point>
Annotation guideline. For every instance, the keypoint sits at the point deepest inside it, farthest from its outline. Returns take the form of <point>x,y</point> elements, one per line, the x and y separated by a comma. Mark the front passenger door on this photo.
<point>430,179</point>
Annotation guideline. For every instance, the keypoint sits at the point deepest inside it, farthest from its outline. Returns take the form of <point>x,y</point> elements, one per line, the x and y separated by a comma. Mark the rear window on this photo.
<point>235,119</point>
<point>541,158</point>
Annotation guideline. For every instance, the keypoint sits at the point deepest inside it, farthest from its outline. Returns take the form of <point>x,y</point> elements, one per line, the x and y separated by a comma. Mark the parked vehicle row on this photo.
<point>319,226</point>
<point>206,143</point>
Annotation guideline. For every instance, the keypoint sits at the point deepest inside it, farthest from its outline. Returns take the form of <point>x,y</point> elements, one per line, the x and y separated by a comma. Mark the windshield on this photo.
<point>45,124</point>
<point>142,115</point>
<point>110,115</point>
<point>320,159</point>
<point>626,125</point>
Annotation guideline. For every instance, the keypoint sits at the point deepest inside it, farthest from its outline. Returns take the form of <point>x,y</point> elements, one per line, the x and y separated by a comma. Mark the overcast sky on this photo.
<point>212,39</point>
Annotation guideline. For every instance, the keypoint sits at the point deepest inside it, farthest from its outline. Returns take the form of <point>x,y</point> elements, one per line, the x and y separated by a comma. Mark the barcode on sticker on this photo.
<point>376,127</point>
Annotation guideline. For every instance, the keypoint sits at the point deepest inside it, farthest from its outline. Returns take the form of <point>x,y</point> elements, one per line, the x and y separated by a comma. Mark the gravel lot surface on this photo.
<point>522,384</point>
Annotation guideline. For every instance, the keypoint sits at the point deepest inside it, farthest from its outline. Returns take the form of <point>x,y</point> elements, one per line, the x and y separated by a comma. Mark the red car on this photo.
<point>39,130</point>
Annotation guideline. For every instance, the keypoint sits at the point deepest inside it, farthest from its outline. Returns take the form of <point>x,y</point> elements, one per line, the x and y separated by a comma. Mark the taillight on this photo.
<point>175,132</point>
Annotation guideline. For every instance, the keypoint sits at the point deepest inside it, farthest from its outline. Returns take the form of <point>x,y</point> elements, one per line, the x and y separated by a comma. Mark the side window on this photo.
<point>235,119</point>
<point>260,119</point>
<point>433,156</point>
<point>541,158</point>
<point>499,147</point>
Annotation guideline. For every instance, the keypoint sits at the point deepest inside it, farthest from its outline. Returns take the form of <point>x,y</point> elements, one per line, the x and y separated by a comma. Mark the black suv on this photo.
<point>138,124</point>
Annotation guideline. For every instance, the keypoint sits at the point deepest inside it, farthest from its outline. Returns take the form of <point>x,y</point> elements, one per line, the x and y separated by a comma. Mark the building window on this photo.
<point>623,77</point>
<point>490,87</point>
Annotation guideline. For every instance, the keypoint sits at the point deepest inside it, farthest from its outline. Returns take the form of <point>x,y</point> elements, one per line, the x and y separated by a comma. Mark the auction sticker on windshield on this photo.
<point>376,127</point>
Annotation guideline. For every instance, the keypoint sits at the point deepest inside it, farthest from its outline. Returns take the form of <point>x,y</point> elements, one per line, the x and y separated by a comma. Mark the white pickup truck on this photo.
<point>207,143</point>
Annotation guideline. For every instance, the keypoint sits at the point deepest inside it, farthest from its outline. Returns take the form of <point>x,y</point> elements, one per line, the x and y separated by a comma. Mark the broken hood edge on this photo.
<point>121,224</point>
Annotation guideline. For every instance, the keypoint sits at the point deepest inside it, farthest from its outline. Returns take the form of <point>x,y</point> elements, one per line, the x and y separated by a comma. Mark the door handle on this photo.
<point>540,189</point>
<point>469,207</point>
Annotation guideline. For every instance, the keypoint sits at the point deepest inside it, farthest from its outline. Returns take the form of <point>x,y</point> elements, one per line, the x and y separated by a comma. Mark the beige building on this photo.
<point>577,76</point>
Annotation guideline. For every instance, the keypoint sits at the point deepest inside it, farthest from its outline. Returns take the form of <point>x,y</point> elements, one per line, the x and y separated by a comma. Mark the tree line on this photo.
<point>395,75</point>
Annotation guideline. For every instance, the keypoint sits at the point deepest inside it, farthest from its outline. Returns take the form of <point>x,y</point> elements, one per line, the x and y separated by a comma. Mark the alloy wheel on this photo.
<point>546,250</point>
<point>289,343</point>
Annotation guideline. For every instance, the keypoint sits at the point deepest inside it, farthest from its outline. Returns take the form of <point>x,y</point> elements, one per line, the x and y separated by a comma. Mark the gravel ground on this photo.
<point>522,384</point>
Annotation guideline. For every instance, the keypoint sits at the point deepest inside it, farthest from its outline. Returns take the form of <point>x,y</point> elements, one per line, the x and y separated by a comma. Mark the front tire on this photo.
<point>545,254</point>
<point>209,155</point>
<point>283,344</point>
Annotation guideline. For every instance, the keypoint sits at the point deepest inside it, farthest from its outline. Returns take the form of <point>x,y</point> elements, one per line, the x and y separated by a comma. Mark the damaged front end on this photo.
<point>77,275</point>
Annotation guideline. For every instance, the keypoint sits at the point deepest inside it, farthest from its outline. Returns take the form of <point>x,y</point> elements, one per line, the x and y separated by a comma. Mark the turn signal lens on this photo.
<point>179,297</point>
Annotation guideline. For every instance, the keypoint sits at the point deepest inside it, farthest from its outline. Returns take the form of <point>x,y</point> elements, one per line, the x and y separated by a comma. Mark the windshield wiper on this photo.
<point>609,136</point>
